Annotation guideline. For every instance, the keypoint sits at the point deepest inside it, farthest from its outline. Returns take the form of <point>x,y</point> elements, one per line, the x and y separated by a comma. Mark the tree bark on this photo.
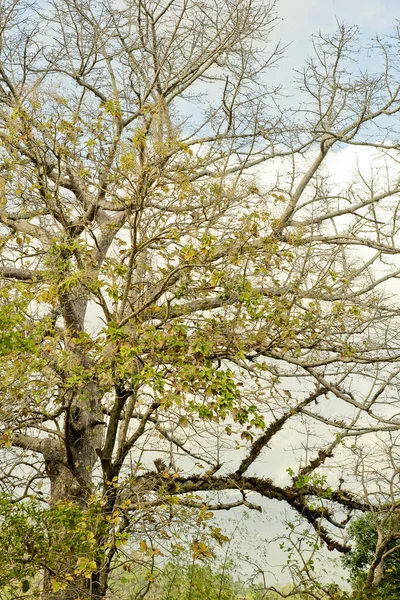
<point>69,468</point>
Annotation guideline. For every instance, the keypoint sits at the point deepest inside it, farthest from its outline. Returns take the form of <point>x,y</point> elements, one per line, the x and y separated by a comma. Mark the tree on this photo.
<point>374,558</point>
<point>370,545</point>
<point>167,312</point>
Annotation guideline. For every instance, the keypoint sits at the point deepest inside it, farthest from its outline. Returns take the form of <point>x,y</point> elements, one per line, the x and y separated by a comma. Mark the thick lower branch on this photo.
<point>294,497</point>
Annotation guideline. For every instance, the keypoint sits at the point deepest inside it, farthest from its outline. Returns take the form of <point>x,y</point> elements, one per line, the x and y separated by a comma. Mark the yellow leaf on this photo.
<point>183,421</point>
<point>85,566</point>
<point>58,585</point>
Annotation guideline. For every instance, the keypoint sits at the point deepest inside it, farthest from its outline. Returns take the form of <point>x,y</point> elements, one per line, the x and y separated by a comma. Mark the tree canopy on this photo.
<point>375,555</point>
<point>185,285</point>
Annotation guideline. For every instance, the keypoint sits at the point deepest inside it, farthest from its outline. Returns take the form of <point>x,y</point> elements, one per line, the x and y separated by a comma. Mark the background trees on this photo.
<point>368,543</point>
<point>172,308</point>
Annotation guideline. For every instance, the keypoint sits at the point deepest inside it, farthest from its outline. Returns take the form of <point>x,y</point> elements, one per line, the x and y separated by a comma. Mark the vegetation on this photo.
<point>180,580</point>
<point>171,313</point>
<point>375,556</point>
<point>176,581</point>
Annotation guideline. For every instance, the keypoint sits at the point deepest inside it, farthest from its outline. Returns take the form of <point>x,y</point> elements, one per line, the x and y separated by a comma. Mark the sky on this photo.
<point>303,17</point>
<point>299,19</point>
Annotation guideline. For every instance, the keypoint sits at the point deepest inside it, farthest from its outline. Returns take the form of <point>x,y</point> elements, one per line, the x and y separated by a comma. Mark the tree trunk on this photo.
<point>69,468</point>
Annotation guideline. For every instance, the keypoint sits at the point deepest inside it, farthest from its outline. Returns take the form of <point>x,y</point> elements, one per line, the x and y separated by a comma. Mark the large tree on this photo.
<point>171,307</point>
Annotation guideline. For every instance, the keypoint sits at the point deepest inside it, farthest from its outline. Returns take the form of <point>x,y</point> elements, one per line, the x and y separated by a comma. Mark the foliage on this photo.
<point>179,581</point>
<point>204,580</point>
<point>171,315</point>
<point>32,536</point>
<point>364,534</point>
